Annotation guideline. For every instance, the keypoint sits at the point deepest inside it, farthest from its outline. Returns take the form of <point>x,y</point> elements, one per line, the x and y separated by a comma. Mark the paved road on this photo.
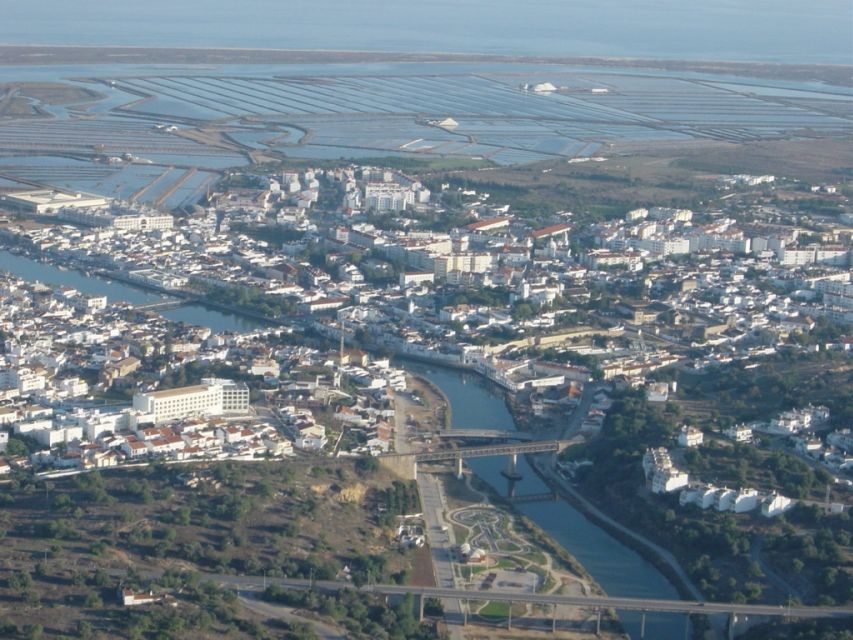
<point>573,425</point>
<point>441,543</point>
<point>433,504</point>
<point>323,630</point>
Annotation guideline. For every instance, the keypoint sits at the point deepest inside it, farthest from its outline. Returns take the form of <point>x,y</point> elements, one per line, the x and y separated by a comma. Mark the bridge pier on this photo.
<point>421,608</point>
<point>509,616</point>
<point>465,608</point>
<point>732,623</point>
<point>554,620</point>
<point>511,471</point>
<point>643,626</point>
<point>598,623</point>
<point>687,627</point>
<point>459,473</point>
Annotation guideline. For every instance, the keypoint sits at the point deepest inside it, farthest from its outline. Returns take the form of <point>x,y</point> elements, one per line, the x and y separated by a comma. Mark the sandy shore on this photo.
<point>67,55</point>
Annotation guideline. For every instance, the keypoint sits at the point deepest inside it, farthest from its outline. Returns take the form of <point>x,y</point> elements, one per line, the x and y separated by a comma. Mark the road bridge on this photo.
<point>406,464</point>
<point>595,602</point>
<point>538,446</point>
<point>161,305</point>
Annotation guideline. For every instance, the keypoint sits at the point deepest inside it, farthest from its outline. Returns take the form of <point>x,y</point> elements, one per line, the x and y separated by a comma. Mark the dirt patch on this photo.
<point>422,571</point>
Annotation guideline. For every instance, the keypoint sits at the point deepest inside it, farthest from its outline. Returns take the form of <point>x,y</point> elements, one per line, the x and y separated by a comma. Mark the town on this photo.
<point>353,271</point>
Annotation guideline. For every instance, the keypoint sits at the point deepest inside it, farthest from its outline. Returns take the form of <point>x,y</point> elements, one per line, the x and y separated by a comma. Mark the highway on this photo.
<point>592,601</point>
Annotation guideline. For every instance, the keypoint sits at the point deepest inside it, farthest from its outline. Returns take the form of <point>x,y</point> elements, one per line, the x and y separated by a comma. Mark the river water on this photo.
<point>33,270</point>
<point>475,403</point>
<point>479,404</point>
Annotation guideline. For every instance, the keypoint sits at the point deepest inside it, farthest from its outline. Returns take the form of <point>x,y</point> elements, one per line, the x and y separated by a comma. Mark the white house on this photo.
<point>690,437</point>
<point>774,505</point>
<point>724,499</point>
<point>312,438</point>
<point>669,480</point>
<point>657,392</point>
<point>739,433</point>
<point>703,496</point>
<point>655,459</point>
<point>745,500</point>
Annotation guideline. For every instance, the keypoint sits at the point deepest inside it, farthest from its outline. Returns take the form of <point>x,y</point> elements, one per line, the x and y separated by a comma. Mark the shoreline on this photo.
<point>62,55</point>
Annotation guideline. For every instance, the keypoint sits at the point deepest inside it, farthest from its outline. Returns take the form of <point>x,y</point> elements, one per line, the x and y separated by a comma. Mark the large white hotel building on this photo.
<point>214,396</point>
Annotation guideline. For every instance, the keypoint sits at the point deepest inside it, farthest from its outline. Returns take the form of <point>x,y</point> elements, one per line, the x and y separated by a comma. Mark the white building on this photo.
<point>774,505</point>
<point>48,201</point>
<point>669,480</point>
<point>312,438</point>
<point>690,437</point>
<point>235,395</point>
<point>464,263</point>
<point>745,500</point>
<point>388,196</point>
<point>739,433</point>
<point>797,420</point>
<point>657,392</point>
<point>655,459</point>
<point>213,397</point>
<point>724,499</point>
<point>704,496</point>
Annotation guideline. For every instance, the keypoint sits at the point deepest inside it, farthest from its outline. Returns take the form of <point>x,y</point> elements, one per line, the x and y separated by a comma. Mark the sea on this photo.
<point>782,31</point>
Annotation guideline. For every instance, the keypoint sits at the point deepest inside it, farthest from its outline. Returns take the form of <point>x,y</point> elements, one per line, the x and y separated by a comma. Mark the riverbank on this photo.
<point>442,401</point>
<point>616,567</point>
<point>559,570</point>
<point>662,560</point>
<point>57,271</point>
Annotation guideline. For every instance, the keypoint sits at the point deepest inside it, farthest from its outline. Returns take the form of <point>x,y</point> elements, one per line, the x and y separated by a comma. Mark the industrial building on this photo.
<point>43,201</point>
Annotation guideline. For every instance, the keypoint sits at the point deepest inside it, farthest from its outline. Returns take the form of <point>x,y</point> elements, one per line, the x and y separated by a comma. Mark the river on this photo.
<point>33,270</point>
<point>478,404</point>
<point>475,403</point>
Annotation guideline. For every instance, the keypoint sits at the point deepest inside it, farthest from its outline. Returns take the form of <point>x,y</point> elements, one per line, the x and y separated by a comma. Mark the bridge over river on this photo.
<point>406,464</point>
<point>595,602</point>
<point>460,433</point>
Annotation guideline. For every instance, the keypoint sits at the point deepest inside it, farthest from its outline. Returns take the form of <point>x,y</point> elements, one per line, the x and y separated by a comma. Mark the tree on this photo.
<point>522,311</point>
<point>93,601</point>
<point>20,581</point>
<point>366,465</point>
<point>33,632</point>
